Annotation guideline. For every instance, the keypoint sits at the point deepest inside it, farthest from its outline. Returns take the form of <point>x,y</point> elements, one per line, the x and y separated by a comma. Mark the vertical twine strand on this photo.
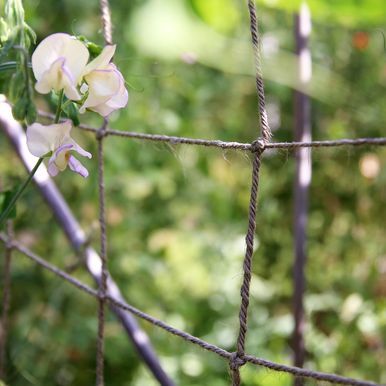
<point>107,33</point>
<point>264,126</point>
<point>106,21</point>
<point>237,360</point>
<point>6,299</point>
<point>103,255</point>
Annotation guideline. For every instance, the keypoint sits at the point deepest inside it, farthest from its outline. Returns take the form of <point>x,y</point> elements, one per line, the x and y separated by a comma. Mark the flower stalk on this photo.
<point>59,108</point>
<point>4,215</point>
<point>11,205</point>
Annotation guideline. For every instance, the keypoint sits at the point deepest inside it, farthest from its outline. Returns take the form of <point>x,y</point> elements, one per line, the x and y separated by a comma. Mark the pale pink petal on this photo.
<point>59,160</point>
<point>77,167</point>
<point>52,169</point>
<point>60,156</point>
<point>78,149</point>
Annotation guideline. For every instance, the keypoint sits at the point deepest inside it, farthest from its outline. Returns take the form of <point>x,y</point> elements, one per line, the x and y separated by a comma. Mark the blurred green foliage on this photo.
<point>177,215</point>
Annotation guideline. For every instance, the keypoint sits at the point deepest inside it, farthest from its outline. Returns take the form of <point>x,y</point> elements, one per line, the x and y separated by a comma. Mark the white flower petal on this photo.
<point>56,139</point>
<point>103,82</point>
<point>103,109</point>
<point>119,100</point>
<point>101,61</point>
<point>74,56</point>
<point>116,102</point>
<point>43,139</point>
<point>77,167</point>
<point>58,77</point>
<point>37,142</point>
<point>102,85</point>
<point>47,52</point>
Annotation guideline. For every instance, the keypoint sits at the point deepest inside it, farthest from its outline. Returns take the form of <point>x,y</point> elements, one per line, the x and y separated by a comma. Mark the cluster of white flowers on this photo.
<point>60,63</point>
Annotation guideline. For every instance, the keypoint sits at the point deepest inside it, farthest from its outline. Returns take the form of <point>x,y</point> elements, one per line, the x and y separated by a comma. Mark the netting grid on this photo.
<point>239,357</point>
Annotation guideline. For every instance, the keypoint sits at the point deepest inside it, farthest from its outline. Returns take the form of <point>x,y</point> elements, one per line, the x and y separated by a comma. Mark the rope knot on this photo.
<point>102,294</point>
<point>101,133</point>
<point>258,145</point>
<point>236,361</point>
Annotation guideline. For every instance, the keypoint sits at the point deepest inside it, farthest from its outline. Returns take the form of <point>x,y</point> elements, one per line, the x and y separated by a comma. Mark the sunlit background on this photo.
<point>177,215</point>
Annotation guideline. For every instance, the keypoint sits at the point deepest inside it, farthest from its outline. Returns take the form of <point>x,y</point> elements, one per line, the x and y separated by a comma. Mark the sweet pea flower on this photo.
<point>55,141</point>
<point>104,83</point>
<point>58,63</point>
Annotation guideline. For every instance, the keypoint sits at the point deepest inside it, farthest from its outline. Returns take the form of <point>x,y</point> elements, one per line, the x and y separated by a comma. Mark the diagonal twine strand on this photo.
<point>315,375</point>
<point>238,358</point>
<point>6,298</point>
<point>332,378</point>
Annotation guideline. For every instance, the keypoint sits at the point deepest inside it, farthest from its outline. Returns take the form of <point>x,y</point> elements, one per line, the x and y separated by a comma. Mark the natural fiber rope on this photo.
<point>6,298</point>
<point>264,126</point>
<point>233,145</point>
<point>100,134</point>
<point>106,21</point>
<point>238,360</point>
<point>332,378</point>
<point>103,255</point>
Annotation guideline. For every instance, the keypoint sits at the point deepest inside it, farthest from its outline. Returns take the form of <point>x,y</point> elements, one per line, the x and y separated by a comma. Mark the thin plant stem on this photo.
<point>66,103</point>
<point>25,60</point>
<point>12,203</point>
<point>59,108</point>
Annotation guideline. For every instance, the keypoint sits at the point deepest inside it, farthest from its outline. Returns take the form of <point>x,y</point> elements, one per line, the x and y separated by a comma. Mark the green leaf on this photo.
<point>16,85</point>
<point>6,48</point>
<point>72,112</point>
<point>7,197</point>
<point>20,109</point>
<point>4,30</point>
<point>30,35</point>
<point>31,113</point>
<point>93,48</point>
